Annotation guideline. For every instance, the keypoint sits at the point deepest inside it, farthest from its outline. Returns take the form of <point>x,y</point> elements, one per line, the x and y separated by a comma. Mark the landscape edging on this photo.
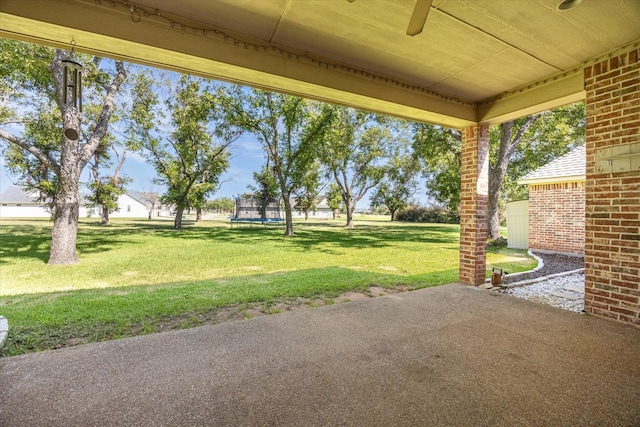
<point>538,267</point>
<point>540,279</point>
<point>4,330</point>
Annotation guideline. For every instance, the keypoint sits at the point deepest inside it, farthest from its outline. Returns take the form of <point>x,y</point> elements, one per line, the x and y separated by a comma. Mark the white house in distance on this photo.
<point>322,212</point>
<point>134,204</point>
<point>138,197</point>
<point>129,207</point>
<point>16,202</point>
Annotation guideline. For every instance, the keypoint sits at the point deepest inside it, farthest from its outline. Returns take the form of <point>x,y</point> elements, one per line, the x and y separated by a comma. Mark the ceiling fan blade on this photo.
<point>419,17</point>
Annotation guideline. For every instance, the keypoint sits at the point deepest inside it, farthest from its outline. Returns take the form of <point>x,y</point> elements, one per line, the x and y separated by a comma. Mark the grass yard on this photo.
<point>138,277</point>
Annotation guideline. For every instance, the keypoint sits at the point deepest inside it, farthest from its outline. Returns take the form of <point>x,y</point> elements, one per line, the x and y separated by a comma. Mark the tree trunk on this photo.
<point>508,143</point>
<point>496,175</point>
<point>65,230</point>
<point>288,216</point>
<point>393,216</point>
<point>264,202</point>
<point>105,215</point>
<point>177,222</point>
<point>151,209</point>
<point>350,208</point>
<point>67,199</point>
<point>198,214</point>
<point>66,211</point>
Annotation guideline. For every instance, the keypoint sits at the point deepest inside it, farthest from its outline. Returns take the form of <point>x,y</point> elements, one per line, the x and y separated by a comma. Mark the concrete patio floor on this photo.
<point>451,355</point>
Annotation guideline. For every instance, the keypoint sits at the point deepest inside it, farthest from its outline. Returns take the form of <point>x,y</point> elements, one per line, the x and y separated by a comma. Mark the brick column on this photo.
<point>612,226</point>
<point>473,204</point>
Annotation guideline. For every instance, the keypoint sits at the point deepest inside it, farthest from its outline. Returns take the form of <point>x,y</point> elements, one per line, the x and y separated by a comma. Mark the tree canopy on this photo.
<point>515,148</point>
<point>33,114</point>
<point>400,181</point>
<point>290,129</point>
<point>353,153</point>
<point>190,162</point>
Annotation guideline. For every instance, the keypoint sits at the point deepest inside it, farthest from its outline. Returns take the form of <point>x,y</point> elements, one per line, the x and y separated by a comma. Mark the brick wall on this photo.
<point>556,217</point>
<point>473,204</point>
<point>612,238</point>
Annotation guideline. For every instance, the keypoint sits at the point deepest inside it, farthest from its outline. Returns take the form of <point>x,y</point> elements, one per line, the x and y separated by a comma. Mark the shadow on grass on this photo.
<point>24,241</point>
<point>310,234</point>
<point>59,319</point>
<point>29,241</point>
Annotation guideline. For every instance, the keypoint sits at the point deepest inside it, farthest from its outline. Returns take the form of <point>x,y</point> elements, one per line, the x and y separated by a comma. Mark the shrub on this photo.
<point>433,214</point>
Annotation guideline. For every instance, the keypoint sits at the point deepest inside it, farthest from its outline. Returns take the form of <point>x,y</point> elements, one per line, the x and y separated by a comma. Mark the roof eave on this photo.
<point>553,180</point>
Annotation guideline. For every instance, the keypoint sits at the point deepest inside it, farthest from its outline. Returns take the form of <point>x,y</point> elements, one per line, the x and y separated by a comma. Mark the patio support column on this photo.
<point>474,177</point>
<point>612,224</point>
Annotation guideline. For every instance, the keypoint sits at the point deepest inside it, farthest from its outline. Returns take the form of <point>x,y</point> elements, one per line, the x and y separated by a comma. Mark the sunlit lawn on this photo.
<point>135,276</point>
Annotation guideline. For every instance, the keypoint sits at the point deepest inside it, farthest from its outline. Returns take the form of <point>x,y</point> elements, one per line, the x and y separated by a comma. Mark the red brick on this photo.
<point>627,298</point>
<point>634,320</point>
<point>625,311</point>
<point>473,206</point>
<point>612,214</point>
<point>598,292</point>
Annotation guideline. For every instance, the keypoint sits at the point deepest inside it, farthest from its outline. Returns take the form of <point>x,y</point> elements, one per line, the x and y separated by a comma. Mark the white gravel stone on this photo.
<point>565,292</point>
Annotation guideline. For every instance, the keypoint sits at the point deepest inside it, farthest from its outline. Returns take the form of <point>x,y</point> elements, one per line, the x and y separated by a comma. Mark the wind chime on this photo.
<point>72,84</point>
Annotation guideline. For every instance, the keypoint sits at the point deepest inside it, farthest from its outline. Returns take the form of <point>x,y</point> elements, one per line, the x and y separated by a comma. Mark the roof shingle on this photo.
<point>571,166</point>
<point>17,194</point>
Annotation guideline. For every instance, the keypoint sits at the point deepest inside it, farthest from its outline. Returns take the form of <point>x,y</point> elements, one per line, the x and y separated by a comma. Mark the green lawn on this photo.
<point>140,277</point>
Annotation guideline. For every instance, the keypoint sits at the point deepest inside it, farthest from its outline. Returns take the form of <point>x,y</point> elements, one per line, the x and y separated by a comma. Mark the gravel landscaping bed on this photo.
<point>565,292</point>
<point>547,285</point>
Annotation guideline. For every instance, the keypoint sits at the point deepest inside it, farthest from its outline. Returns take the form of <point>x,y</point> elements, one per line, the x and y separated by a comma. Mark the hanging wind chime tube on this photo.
<point>72,84</point>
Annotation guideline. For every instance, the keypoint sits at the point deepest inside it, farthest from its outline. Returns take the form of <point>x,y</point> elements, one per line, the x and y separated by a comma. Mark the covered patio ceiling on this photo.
<point>474,61</point>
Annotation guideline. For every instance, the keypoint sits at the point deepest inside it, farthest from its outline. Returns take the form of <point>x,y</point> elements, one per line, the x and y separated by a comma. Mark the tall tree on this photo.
<point>439,149</point>
<point>516,148</point>
<point>400,182</point>
<point>353,154</point>
<point>32,78</point>
<point>190,162</point>
<point>509,136</point>
<point>290,129</point>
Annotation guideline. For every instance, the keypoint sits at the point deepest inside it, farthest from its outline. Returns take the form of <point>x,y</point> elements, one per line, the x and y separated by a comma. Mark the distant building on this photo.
<point>16,202</point>
<point>322,211</point>
<point>132,201</point>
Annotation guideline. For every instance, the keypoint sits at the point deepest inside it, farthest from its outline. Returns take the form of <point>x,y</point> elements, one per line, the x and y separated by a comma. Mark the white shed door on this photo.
<point>518,224</point>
